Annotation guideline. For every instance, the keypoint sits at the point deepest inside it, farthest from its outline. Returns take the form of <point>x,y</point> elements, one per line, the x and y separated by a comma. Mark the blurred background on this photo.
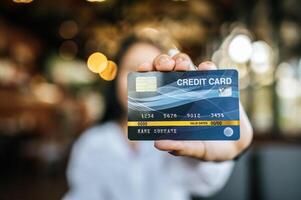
<point>48,97</point>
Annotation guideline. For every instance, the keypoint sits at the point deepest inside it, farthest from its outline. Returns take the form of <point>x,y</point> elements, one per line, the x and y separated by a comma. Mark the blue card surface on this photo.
<point>190,105</point>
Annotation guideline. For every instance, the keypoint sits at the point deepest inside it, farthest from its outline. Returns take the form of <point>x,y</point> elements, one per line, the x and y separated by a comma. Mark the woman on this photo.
<point>104,164</point>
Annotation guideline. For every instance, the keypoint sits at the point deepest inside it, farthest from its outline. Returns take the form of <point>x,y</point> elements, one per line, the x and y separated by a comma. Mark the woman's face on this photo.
<point>136,55</point>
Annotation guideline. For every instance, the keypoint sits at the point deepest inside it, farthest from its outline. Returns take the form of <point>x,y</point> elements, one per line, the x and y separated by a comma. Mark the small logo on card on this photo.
<point>225,91</point>
<point>228,131</point>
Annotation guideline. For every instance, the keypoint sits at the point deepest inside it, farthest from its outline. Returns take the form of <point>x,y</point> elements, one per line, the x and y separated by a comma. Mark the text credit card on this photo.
<point>190,105</point>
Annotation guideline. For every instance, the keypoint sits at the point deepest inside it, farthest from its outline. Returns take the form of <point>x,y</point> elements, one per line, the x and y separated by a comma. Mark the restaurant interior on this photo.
<point>48,97</point>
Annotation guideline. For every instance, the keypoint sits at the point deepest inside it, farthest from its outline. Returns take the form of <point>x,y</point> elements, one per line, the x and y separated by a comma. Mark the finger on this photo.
<point>145,67</point>
<point>182,62</point>
<point>182,148</point>
<point>168,145</point>
<point>207,65</point>
<point>164,62</point>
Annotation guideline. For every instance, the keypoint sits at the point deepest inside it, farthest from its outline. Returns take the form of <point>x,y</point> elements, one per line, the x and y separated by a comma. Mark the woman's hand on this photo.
<point>203,150</point>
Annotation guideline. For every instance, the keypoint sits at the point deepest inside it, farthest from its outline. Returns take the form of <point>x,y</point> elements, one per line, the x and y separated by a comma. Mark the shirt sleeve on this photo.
<point>84,180</point>
<point>199,178</point>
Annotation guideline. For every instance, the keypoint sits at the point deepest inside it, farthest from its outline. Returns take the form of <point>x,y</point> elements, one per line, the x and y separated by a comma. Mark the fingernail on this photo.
<point>182,62</point>
<point>164,61</point>
<point>210,64</point>
<point>179,60</point>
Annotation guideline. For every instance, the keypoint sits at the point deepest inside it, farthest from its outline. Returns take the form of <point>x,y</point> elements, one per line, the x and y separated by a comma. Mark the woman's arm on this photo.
<point>84,171</point>
<point>199,178</point>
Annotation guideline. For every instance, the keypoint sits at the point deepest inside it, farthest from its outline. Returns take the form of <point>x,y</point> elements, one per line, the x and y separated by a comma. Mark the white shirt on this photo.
<point>103,166</point>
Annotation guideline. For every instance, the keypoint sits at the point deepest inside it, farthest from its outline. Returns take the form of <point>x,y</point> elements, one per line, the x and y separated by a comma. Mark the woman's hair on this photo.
<point>113,109</point>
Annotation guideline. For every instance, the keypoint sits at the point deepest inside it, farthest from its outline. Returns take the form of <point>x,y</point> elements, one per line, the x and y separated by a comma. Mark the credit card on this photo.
<point>190,105</point>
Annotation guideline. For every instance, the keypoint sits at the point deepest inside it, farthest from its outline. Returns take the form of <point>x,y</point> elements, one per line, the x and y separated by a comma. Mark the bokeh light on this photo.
<point>68,50</point>
<point>240,48</point>
<point>68,29</point>
<point>261,59</point>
